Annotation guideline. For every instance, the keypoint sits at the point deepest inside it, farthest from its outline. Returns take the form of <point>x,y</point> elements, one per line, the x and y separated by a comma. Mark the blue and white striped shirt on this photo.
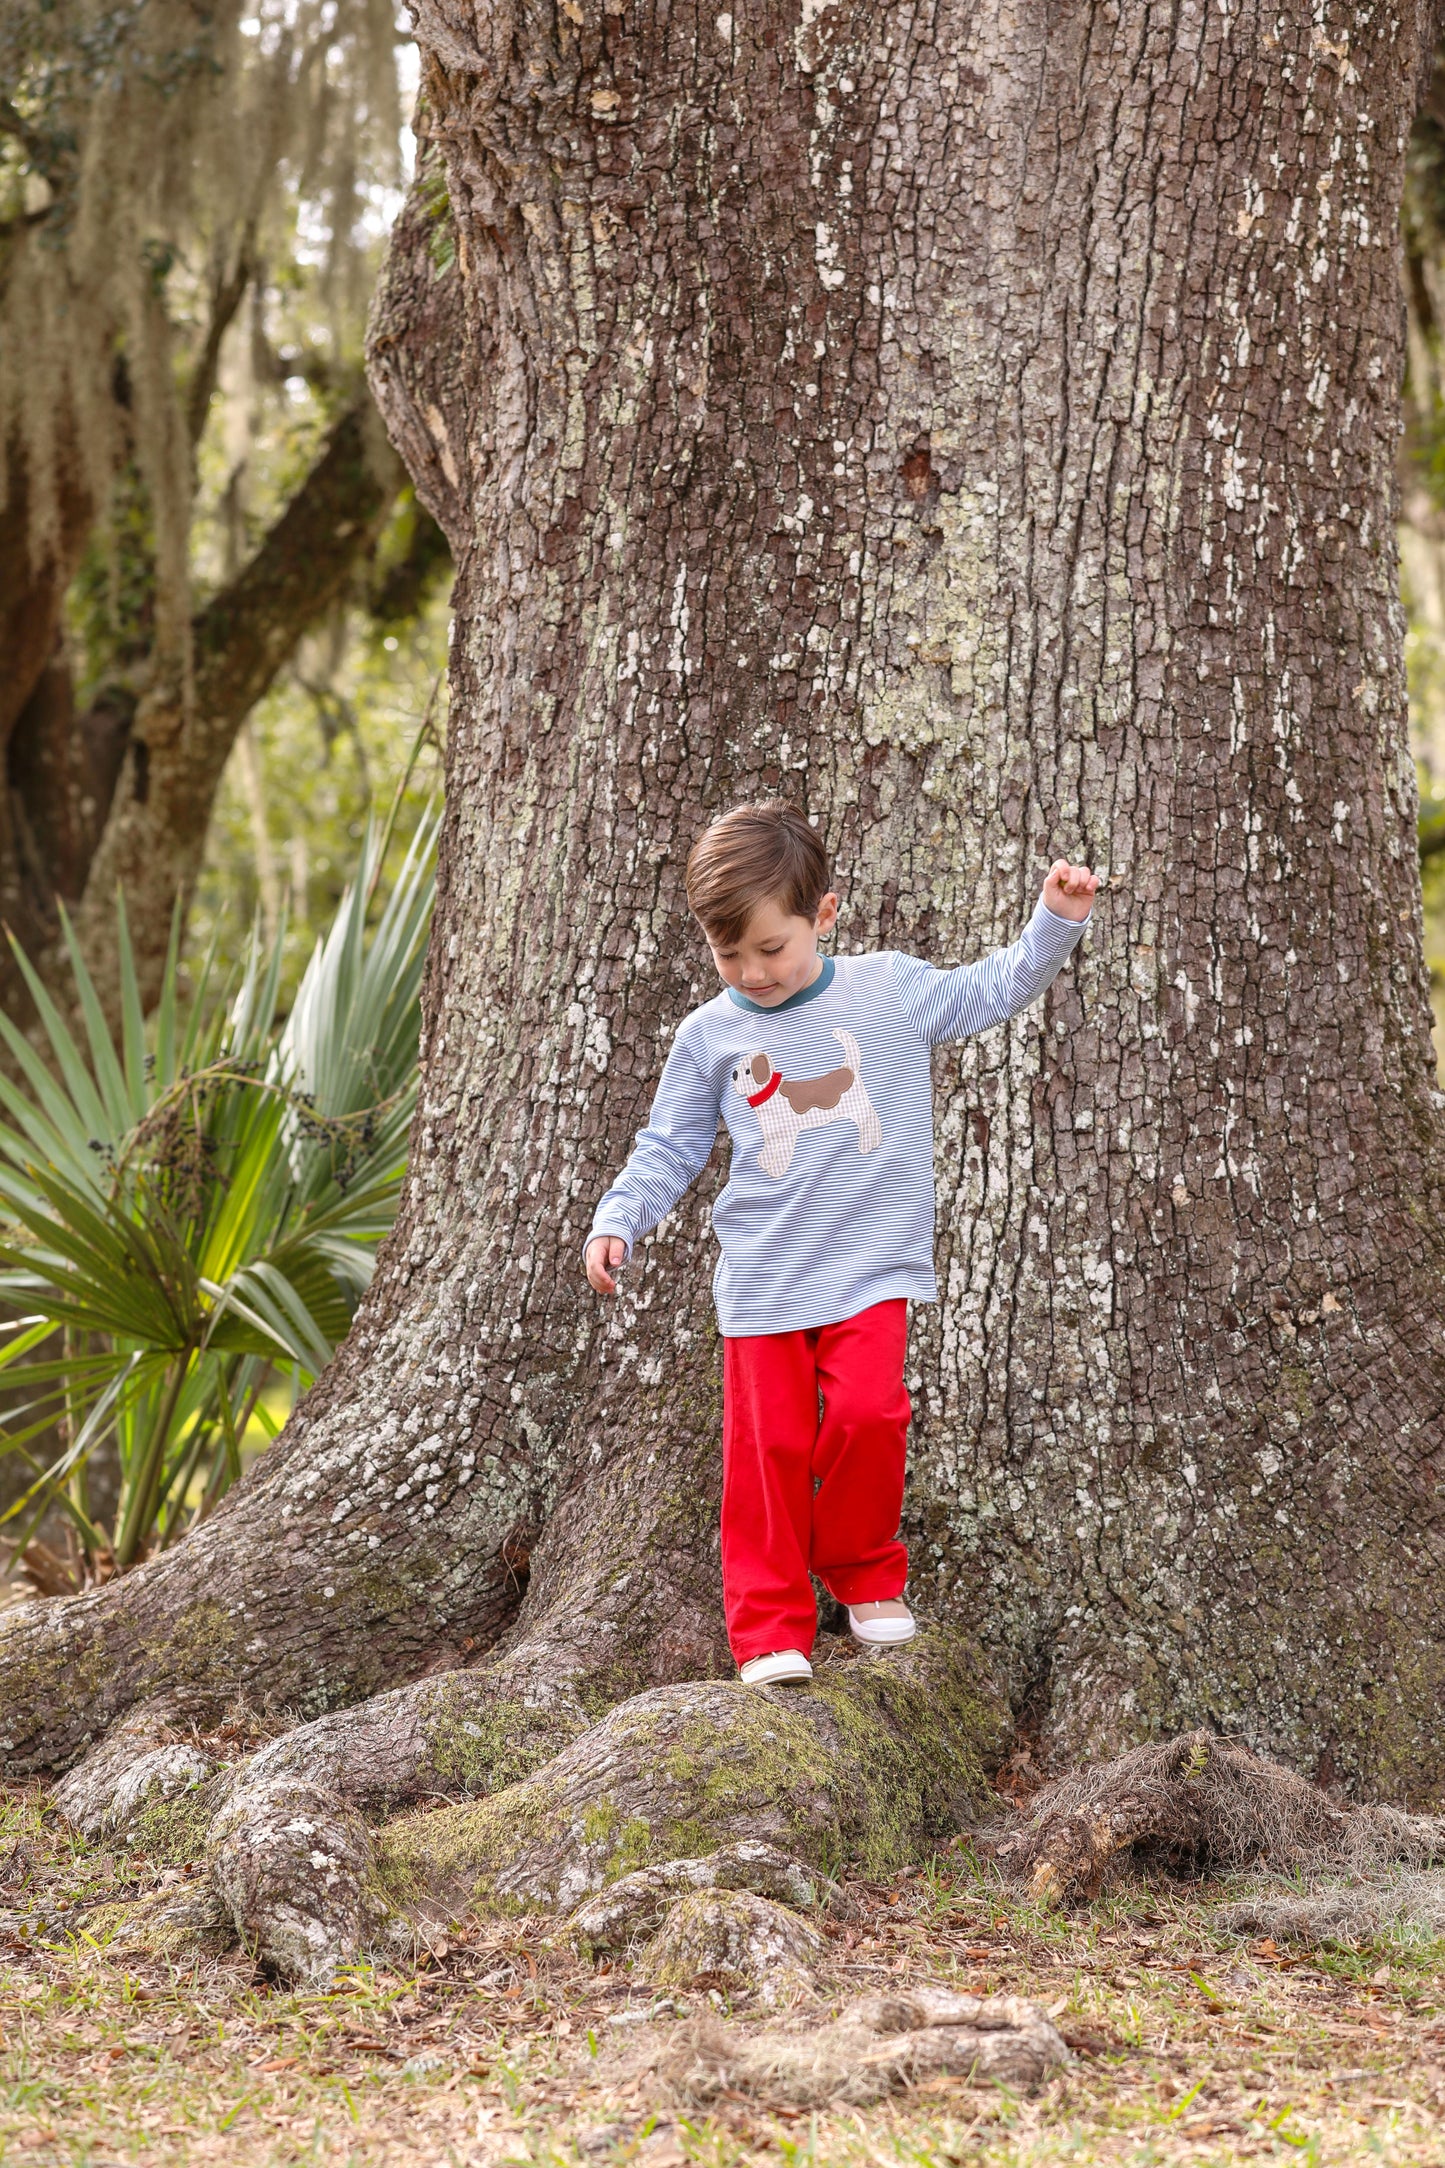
<point>828,1100</point>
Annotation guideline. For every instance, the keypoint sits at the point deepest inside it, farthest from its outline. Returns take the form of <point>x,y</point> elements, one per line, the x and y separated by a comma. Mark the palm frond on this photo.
<point>197,1202</point>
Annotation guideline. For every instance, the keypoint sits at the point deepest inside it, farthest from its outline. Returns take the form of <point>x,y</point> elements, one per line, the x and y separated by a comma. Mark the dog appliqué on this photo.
<point>785,1108</point>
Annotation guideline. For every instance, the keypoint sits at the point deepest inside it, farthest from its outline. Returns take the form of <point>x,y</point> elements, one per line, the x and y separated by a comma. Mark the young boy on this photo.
<point>820,1067</point>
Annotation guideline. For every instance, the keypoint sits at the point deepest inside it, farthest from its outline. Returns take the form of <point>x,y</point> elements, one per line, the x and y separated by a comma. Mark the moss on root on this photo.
<point>166,1923</point>
<point>923,1739</point>
<point>476,1748</point>
<point>878,1762</point>
<point>174,1831</point>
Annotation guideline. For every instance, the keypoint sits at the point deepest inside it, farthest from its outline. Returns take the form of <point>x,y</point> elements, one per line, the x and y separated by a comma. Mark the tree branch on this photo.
<point>227,294</point>
<point>156,832</point>
<point>244,634</point>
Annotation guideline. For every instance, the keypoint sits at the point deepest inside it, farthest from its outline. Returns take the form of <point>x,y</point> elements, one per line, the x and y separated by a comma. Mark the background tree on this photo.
<point>983,429</point>
<point>1422,505</point>
<point>191,472</point>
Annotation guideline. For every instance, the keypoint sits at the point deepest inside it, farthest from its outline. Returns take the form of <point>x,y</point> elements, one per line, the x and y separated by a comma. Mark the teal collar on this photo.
<point>820,985</point>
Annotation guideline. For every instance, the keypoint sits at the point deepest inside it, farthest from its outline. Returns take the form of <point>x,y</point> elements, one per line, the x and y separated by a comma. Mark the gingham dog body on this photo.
<point>786,1107</point>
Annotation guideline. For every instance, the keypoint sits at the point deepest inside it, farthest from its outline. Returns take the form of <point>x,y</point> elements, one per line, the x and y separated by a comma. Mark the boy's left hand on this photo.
<point>1069,890</point>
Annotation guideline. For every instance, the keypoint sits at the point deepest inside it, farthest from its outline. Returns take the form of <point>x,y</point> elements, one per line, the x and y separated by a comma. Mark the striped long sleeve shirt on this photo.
<point>828,1102</point>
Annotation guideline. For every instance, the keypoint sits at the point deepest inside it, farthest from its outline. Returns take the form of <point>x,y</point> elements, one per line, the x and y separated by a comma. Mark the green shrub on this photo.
<point>189,1206</point>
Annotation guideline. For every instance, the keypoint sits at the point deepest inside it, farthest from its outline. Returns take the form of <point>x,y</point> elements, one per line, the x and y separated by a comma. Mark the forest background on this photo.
<point>278,555</point>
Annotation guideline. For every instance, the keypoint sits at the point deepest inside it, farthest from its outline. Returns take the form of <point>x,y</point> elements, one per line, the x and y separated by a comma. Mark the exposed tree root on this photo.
<point>1203,1802</point>
<point>692,1827</point>
<point>732,1939</point>
<point>145,1758</point>
<point>291,1863</point>
<point>453,1736</point>
<point>883,1757</point>
<point>456,1735</point>
<point>880,1758</point>
<point>289,1856</point>
<point>879,2046</point>
<point>1345,1915</point>
<point>629,1912</point>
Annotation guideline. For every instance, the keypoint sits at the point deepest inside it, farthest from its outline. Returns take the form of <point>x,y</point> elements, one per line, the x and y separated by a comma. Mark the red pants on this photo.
<point>807,1492</point>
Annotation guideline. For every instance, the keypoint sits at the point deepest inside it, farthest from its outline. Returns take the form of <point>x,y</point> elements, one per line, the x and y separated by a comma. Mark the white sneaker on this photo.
<point>879,1628</point>
<point>782,1667</point>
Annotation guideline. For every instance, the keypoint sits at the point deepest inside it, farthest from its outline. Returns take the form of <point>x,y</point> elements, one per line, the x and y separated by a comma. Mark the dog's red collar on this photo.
<point>755,1099</point>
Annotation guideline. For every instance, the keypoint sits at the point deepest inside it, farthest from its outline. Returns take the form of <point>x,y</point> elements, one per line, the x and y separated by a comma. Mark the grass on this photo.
<point>1191,2047</point>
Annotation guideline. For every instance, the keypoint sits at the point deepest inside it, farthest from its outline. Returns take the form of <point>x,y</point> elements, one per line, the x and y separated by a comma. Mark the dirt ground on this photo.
<point>1189,2045</point>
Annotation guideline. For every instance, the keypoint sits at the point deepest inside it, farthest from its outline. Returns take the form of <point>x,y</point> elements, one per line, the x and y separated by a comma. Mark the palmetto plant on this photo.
<point>189,1206</point>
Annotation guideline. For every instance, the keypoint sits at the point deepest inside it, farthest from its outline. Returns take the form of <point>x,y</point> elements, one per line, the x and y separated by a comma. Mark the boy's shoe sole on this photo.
<point>783,1667</point>
<point>882,1633</point>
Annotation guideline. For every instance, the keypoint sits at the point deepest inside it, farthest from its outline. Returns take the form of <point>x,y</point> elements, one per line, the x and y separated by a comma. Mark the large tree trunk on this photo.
<point>980,428</point>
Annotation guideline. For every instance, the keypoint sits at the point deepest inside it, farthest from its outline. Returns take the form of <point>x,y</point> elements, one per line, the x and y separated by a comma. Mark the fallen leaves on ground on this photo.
<point>1190,2046</point>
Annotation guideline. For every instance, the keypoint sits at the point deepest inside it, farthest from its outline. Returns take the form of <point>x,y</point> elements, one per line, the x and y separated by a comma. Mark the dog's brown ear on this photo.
<point>762,1068</point>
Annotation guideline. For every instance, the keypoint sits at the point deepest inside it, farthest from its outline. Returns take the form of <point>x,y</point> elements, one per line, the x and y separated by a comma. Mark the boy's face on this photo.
<point>778,954</point>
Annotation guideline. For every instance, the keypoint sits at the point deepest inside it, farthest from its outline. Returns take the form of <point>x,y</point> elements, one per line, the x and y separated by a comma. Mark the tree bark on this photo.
<point>979,429</point>
<point>34,699</point>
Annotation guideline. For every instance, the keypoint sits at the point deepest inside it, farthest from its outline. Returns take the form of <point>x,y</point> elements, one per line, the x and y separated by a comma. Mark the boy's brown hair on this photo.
<point>753,855</point>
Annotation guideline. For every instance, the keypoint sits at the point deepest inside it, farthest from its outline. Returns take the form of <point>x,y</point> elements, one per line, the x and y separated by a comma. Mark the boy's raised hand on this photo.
<point>1069,890</point>
<point>603,1254</point>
